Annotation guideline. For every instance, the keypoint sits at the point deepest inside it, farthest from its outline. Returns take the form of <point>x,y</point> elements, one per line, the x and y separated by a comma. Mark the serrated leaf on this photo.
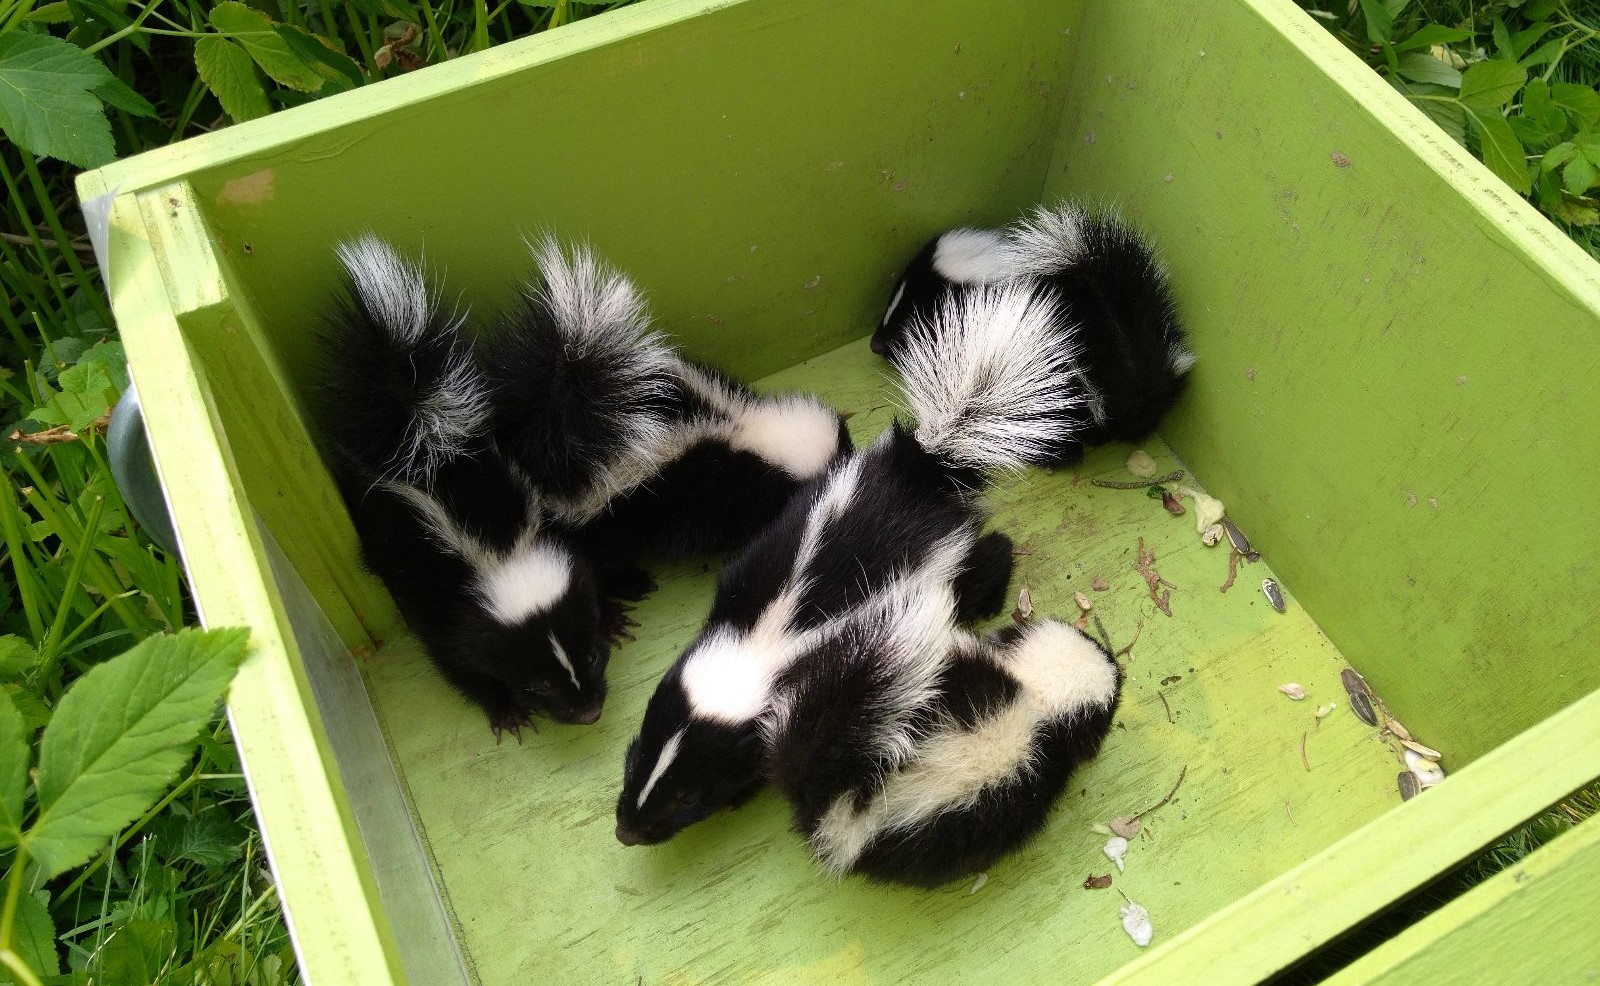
<point>46,105</point>
<point>1537,105</point>
<point>17,656</point>
<point>1545,54</point>
<point>253,30</point>
<point>1581,103</point>
<point>228,71</point>
<point>34,712</point>
<point>1431,34</point>
<point>120,734</point>
<point>1502,41</point>
<point>1380,22</point>
<point>50,13</point>
<point>1578,213</point>
<point>87,392</point>
<point>119,94</point>
<point>333,64</point>
<point>1558,155</point>
<point>1499,147</point>
<point>14,761</point>
<point>210,839</point>
<point>1490,85</point>
<point>1525,38</point>
<point>34,936</point>
<point>1425,68</point>
<point>1450,115</point>
<point>1579,175</point>
<point>1538,10</point>
<point>137,951</point>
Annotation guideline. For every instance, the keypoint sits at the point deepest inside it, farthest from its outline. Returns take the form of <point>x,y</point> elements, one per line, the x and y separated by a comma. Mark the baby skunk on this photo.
<point>914,759</point>
<point>505,609</point>
<point>989,390</point>
<point>632,447</point>
<point>1112,285</point>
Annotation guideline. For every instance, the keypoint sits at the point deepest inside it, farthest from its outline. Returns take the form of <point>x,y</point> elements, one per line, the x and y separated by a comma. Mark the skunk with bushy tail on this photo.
<point>990,388</point>
<point>1110,283</point>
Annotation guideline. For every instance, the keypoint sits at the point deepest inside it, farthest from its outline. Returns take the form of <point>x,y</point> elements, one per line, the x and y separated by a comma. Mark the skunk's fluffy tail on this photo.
<point>992,379</point>
<point>1114,288</point>
<point>401,395</point>
<point>580,381</point>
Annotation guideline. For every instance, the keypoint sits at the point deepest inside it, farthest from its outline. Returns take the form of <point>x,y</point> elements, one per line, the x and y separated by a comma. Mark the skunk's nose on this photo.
<point>878,345</point>
<point>627,836</point>
<point>585,717</point>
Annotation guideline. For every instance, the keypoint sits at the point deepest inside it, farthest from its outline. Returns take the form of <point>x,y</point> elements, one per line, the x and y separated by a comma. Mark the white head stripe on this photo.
<point>561,655</point>
<point>528,582</point>
<point>894,302</point>
<point>668,753</point>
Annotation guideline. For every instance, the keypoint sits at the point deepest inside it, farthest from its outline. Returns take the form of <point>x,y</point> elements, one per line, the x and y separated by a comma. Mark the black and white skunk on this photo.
<point>918,753</point>
<point>1112,285</point>
<point>631,446</point>
<point>989,391</point>
<point>504,607</point>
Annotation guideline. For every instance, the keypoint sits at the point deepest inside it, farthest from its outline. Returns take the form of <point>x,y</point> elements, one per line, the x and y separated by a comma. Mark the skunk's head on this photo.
<point>684,765</point>
<point>540,633</point>
<point>961,257</point>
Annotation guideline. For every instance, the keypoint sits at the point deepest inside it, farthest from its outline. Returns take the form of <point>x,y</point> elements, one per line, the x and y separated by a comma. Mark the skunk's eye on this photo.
<point>542,690</point>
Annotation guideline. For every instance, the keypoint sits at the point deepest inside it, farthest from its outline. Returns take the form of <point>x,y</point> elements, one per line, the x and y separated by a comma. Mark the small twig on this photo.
<point>1303,759</point>
<point>1153,579</point>
<point>1233,570</point>
<point>79,246</point>
<point>1158,804</point>
<point>1129,648</point>
<point>1164,705</point>
<point>1286,811</point>
<point>1139,484</point>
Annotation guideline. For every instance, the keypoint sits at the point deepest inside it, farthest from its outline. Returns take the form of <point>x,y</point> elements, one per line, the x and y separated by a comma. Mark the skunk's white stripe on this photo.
<point>561,656</point>
<point>526,582</point>
<point>1048,241</point>
<point>1179,359</point>
<point>989,383</point>
<point>393,289</point>
<point>438,522</point>
<point>894,302</point>
<point>669,752</point>
<point>973,256</point>
<point>794,433</point>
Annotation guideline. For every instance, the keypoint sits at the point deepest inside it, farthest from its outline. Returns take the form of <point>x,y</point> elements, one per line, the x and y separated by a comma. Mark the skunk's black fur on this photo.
<point>1110,284</point>
<point>905,512</point>
<point>504,608</point>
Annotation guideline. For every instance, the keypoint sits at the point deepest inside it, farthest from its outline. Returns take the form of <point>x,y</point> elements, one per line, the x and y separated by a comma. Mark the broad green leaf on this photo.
<point>333,64</point>
<point>228,72</point>
<point>1499,146</point>
<point>1579,175</point>
<point>1503,45</point>
<point>17,656</point>
<point>1578,213</point>
<point>1425,68</point>
<point>46,104</point>
<point>1538,106</point>
<point>1581,103</point>
<point>137,951</point>
<point>50,13</point>
<point>1558,155</point>
<point>14,761</point>
<point>120,734</point>
<point>1450,115</point>
<point>1490,85</point>
<point>111,17</point>
<point>119,94</point>
<point>87,392</point>
<point>1538,10</point>
<point>34,712</point>
<point>211,839</point>
<point>1545,54</point>
<point>1524,39</point>
<point>1431,34</point>
<point>1380,23</point>
<point>34,936</point>
<point>1547,188</point>
<point>253,30</point>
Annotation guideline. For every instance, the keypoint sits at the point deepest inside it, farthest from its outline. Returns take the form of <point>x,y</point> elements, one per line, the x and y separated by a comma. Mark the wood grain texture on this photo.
<point>1396,354</point>
<point>1532,923</point>
<point>522,835</point>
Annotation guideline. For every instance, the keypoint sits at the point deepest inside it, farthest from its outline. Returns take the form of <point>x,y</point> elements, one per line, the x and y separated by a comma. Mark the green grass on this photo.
<point>182,894</point>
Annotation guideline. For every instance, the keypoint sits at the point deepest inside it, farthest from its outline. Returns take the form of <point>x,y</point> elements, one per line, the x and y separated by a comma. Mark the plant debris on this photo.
<point>1323,710</point>
<point>1208,512</point>
<point>1099,585</point>
<point>1294,690</point>
<point>1153,579</point>
<point>1233,570</point>
<point>1082,601</point>
<point>1240,543</point>
<point>1172,503</point>
<point>1409,785</point>
<point>1024,611</point>
<point>977,884</point>
<point>1400,732</point>
<point>1116,847</point>
<point>1303,760</point>
<point>1171,679</point>
<point>1360,696</point>
<point>1269,588</point>
<point>1428,773</point>
<point>1425,752</point>
<point>1141,464</point>
<point>1126,826</point>
<point>1136,922</point>
<point>1128,647</point>
<point>1139,484</point>
<point>1092,882</point>
<point>1164,705</point>
<point>1212,536</point>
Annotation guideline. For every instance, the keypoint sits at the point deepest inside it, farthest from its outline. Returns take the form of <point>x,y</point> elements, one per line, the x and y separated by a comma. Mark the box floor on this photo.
<point>521,835</point>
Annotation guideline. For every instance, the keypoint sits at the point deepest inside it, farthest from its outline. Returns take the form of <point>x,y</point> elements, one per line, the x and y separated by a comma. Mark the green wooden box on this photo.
<point>1394,397</point>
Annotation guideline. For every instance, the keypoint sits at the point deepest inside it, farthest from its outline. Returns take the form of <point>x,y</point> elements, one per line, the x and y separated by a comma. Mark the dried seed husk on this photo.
<point>1126,826</point>
<point>1236,537</point>
<point>1092,882</point>
<point>1426,752</point>
<point>1082,601</point>
<point>1141,464</point>
<point>1401,733</point>
<point>1324,710</point>
<point>1361,705</point>
<point>1024,611</point>
<point>1428,773</point>
<point>1409,785</point>
<point>1269,588</point>
<point>1212,535</point>
<point>1294,690</point>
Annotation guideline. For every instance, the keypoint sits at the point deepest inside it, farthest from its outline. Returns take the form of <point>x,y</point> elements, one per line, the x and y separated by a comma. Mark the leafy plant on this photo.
<point>1513,80</point>
<point>110,745</point>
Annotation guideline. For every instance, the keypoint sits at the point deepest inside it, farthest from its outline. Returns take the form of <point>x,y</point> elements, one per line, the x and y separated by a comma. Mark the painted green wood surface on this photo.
<point>1533,923</point>
<point>340,933</point>
<point>522,835</point>
<point>1397,359</point>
